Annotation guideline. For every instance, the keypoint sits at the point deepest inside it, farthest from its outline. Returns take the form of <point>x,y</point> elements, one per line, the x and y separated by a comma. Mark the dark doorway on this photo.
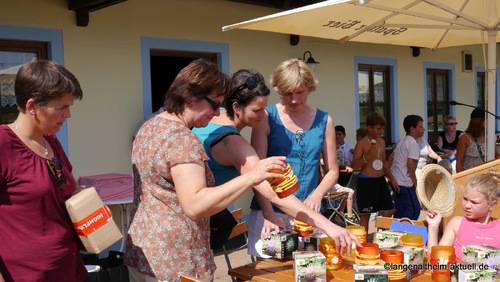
<point>165,65</point>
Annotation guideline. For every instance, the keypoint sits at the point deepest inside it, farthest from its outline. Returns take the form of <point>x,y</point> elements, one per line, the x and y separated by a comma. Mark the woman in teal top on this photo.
<point>211,136</point>
<point>302,133</point>
<point>230,154</point>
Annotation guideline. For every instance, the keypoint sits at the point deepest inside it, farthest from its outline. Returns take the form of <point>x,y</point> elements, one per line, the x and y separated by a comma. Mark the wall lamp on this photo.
<point>415,51</point>
<point>310,61</point>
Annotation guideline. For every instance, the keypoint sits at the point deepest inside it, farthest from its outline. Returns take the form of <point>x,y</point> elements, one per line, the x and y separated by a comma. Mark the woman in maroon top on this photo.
<point>37,239</point>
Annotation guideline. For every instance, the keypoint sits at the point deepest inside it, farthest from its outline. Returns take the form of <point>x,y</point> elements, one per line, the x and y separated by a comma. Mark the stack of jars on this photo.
<point>396,260</point>
<point>359,231</point>
<point>441,258</point>
<point>302,228</point>
<point>367,254</point>
<point>287,184</point>
<point>333,259</point>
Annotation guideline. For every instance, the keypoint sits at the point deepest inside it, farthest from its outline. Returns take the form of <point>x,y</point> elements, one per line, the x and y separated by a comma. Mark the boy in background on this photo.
<point>344,156</point>
<point>403,167</point>
<point>360,134</point>
<point>344,150</point>
<point>373,194</point>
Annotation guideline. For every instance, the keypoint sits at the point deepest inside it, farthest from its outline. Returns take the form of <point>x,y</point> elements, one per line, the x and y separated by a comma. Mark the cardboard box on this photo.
<point>311,242</point>
<point>309,266</point>
<point>481,254</point>
<point>477,275</point>
<point>93,221</point>
<point>370,273</point>
<point>414,259</point>
<point>387,239</point>
<point>281,245</point>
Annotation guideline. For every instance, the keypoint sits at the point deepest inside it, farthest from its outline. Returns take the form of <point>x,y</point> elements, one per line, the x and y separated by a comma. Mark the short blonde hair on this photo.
<point>485,184</point>
<point>448,118</point>
<point>291,74</point>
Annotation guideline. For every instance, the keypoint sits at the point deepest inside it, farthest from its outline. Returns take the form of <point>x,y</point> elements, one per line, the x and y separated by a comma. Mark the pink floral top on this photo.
<point>162,240</point>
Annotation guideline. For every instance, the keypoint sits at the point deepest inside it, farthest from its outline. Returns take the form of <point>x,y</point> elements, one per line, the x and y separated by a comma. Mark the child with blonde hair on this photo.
<point>477,226</point>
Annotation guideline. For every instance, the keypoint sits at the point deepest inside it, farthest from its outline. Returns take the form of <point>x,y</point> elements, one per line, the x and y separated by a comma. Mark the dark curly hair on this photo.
<point>244,96</point>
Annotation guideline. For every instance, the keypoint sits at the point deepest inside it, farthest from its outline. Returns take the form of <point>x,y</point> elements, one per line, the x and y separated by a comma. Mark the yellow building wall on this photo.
<point>106,58</point>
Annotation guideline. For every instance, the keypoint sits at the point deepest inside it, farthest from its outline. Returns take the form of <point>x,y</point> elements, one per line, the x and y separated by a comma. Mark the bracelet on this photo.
<point>364,159</point>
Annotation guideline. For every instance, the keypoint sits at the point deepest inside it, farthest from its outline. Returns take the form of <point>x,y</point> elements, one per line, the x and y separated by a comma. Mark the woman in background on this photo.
<point>448,139</point>
<point>471,147</point>
<point>38,241</point>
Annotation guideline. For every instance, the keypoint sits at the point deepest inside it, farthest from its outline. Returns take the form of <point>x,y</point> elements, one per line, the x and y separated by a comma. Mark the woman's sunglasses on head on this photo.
<point>252,82</point>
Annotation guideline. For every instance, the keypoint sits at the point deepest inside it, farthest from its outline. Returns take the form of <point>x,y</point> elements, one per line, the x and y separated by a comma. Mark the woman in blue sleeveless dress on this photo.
<point>303,134</point>
<point>230,154</point>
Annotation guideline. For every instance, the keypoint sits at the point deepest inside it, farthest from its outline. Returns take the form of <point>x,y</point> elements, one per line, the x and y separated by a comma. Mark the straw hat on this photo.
<point>436,189</point>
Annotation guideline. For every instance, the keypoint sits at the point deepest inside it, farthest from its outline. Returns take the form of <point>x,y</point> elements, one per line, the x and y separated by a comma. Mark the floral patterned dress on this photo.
<point>472,155</point>
<point>162,240</point>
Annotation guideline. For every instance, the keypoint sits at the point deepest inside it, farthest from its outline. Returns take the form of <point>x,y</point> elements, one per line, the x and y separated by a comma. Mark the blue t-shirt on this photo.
<point>222,173</point>
<point>302,150</point>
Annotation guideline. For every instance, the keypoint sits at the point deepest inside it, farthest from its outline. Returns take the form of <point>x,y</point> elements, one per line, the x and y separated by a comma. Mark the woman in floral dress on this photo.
<point>471,147</point>
<point>173,198</point>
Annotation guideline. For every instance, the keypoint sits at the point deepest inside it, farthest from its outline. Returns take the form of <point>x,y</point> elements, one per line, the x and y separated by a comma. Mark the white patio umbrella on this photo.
<point>420,23</point>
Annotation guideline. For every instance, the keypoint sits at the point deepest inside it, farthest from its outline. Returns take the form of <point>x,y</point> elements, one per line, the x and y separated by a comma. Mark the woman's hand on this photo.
<point>434,219</point>
<point>269,225</point>
<point>263,170</point>
<point>343,238</point>
<point>314,202</point>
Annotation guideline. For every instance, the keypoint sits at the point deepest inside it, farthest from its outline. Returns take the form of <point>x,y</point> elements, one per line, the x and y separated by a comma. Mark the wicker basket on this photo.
<point>436,189</point>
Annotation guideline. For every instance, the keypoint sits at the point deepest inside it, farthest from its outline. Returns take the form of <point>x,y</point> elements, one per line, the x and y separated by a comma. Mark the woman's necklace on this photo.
<point>37,145</point>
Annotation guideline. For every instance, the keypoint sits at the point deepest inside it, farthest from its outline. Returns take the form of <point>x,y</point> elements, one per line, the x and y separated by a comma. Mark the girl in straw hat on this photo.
<point>477,226</point>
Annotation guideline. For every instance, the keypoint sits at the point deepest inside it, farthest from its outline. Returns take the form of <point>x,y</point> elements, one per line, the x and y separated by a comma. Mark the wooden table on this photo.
<point>275,270</point>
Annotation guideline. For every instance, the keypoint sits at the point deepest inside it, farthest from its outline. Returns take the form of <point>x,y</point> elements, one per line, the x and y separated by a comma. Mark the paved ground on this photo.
<point>240,257</point>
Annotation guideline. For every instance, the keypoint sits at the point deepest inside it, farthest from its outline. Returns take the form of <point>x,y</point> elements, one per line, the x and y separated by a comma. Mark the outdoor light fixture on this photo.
<point>415,51</point>
<point>310,61</point>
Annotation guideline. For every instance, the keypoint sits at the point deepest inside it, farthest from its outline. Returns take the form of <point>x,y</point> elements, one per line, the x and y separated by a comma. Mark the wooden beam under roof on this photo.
<point>82,8</point>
